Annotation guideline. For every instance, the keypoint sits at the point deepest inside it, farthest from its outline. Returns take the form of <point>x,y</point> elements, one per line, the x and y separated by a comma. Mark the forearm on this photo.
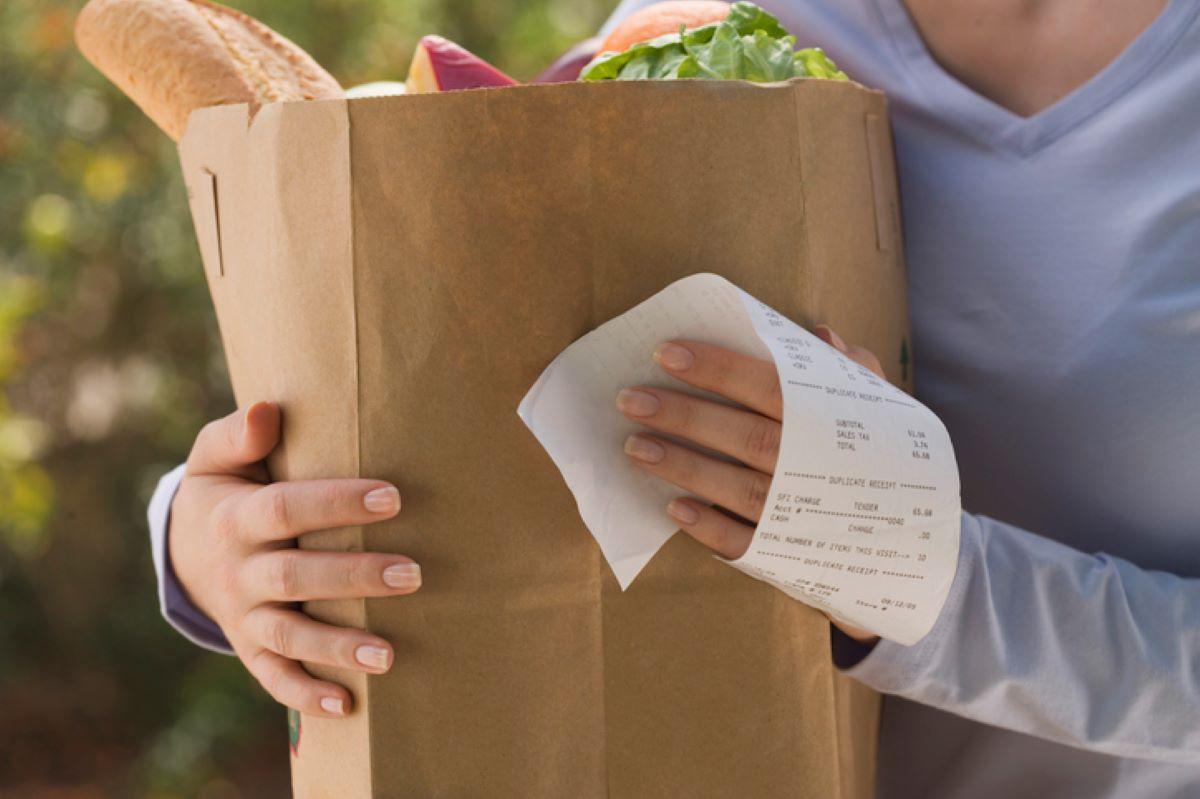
<point>1086,650</point>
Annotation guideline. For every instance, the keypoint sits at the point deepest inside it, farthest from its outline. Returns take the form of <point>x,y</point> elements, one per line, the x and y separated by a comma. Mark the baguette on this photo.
<point>174,56</point>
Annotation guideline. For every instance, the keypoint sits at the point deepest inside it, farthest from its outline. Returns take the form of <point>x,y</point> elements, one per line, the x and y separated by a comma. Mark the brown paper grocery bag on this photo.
<point>397,271</point>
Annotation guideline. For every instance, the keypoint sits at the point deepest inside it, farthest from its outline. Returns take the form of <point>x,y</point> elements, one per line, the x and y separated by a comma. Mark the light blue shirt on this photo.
<point>1054,267</point>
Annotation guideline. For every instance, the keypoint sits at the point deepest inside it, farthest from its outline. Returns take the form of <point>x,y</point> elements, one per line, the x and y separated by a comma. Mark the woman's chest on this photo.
<point>1056,316</point>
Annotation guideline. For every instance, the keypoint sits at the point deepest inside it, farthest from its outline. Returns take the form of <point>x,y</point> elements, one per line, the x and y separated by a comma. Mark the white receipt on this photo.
<point>862,518</point>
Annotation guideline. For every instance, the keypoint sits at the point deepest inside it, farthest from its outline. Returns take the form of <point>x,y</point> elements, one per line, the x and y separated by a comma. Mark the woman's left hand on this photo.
<point>751,434</point>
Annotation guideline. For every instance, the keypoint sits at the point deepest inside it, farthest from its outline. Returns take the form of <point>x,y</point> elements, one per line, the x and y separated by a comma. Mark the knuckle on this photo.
<point>682,413</point>
<point>278,509</point>
<point>755,496</point>
<point>681,466</point>
<point>229,433</point>
<point>723,542</point>
<point>771,388</point>
<point>283,577</point>
<point>720,368</point>
<point>277,636</point>
<point>762,439</point>
<point>226,528</point>
<point>330,494</point>
<point>360,573</point>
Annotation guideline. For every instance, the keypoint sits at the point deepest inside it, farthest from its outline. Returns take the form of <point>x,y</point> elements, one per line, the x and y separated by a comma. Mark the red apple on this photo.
<point>440,65</point>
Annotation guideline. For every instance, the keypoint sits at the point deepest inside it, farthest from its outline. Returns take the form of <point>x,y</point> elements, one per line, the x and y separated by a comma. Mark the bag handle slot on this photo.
<point>887,223</point>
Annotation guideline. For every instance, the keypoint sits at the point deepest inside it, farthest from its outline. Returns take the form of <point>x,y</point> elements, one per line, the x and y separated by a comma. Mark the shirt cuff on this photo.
<point>893,668</point>
<point>848,652</point>
<point>177,608</point>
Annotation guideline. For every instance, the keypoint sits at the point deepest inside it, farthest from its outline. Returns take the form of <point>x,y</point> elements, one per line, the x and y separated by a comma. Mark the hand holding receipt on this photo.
<point>861,516</point>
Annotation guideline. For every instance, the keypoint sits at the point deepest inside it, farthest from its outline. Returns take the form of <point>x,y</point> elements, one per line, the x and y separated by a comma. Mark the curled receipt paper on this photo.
<point>862,519</point>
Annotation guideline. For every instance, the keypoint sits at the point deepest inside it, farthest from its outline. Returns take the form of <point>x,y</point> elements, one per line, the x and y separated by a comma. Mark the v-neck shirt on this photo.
<point>1054,286</point>
<point>951,101</point>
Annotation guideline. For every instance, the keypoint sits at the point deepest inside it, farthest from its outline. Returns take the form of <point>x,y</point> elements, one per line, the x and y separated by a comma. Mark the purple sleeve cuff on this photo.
<point>847,652</point>
<point>176,607</point>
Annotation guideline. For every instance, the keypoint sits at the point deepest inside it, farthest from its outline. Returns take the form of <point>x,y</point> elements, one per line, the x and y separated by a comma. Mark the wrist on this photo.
<point>176,557</point>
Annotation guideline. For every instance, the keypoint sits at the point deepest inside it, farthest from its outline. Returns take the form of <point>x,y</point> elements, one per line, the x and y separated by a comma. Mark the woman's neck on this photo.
<point>1028,54</point>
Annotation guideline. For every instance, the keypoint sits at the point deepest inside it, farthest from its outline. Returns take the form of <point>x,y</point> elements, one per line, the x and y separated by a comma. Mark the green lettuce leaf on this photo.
<point>749,44</point>
<point>811,62</point>
<point>748,18</point>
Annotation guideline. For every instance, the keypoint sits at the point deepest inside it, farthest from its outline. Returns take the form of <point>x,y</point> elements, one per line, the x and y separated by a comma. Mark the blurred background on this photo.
<point>109,365</point>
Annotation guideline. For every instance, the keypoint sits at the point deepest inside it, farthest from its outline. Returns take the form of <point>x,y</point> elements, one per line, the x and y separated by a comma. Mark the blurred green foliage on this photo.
<point>109,365</point>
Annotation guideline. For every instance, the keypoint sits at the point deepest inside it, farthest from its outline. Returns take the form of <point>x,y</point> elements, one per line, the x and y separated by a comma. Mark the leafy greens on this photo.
<point>749,44</point>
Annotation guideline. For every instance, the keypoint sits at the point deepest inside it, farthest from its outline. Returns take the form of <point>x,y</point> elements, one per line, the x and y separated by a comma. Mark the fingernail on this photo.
<point>674,357</point>
<point>402,575</point>
<point>255,409</point>
<point>682,512</point>
<point>334,705</point>
<point>644,449</point>
<point>382,500</point>
<point>373,657</point>
<point>637,403</point>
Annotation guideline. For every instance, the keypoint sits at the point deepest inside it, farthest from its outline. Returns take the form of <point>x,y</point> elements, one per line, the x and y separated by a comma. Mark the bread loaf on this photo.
<point>174,56</point>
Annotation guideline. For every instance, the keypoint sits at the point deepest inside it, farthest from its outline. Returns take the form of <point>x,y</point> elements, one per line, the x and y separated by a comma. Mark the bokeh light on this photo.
<point>109,365</point>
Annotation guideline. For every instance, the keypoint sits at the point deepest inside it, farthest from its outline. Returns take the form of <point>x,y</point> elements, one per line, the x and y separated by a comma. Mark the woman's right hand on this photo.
<point>232,544</point>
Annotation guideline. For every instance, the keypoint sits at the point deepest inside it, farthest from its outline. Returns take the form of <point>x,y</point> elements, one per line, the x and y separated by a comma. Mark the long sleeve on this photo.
<point>176,607</point>
<point>1085,650</point>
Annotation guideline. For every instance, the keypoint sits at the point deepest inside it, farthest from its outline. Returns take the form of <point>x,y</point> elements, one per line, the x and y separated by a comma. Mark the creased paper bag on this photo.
<point>397,271</point>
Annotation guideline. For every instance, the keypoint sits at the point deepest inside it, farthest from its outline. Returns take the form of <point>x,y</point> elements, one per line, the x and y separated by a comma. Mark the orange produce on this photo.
<point>666,17</point>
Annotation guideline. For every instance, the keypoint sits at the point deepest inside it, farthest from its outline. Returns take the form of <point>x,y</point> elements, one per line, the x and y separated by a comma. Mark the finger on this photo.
<point>748,381</point>
<point>830,337</point>
<point>294,575</point>
<point>860,355</point>
<point>291,686</point>
<point>237,443</point>
<point>285,510</point>
<point>741,490</point>
<point>749,437</point>
<point>725,536</point>
<point>295,636</point>
<point>865,358</point>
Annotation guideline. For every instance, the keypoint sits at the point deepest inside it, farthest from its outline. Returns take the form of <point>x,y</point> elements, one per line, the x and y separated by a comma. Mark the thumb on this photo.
<point>237,443</point>
<point>260,431</point>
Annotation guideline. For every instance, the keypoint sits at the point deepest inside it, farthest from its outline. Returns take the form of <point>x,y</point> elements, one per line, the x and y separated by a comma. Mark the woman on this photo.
<point>1050,174</point>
